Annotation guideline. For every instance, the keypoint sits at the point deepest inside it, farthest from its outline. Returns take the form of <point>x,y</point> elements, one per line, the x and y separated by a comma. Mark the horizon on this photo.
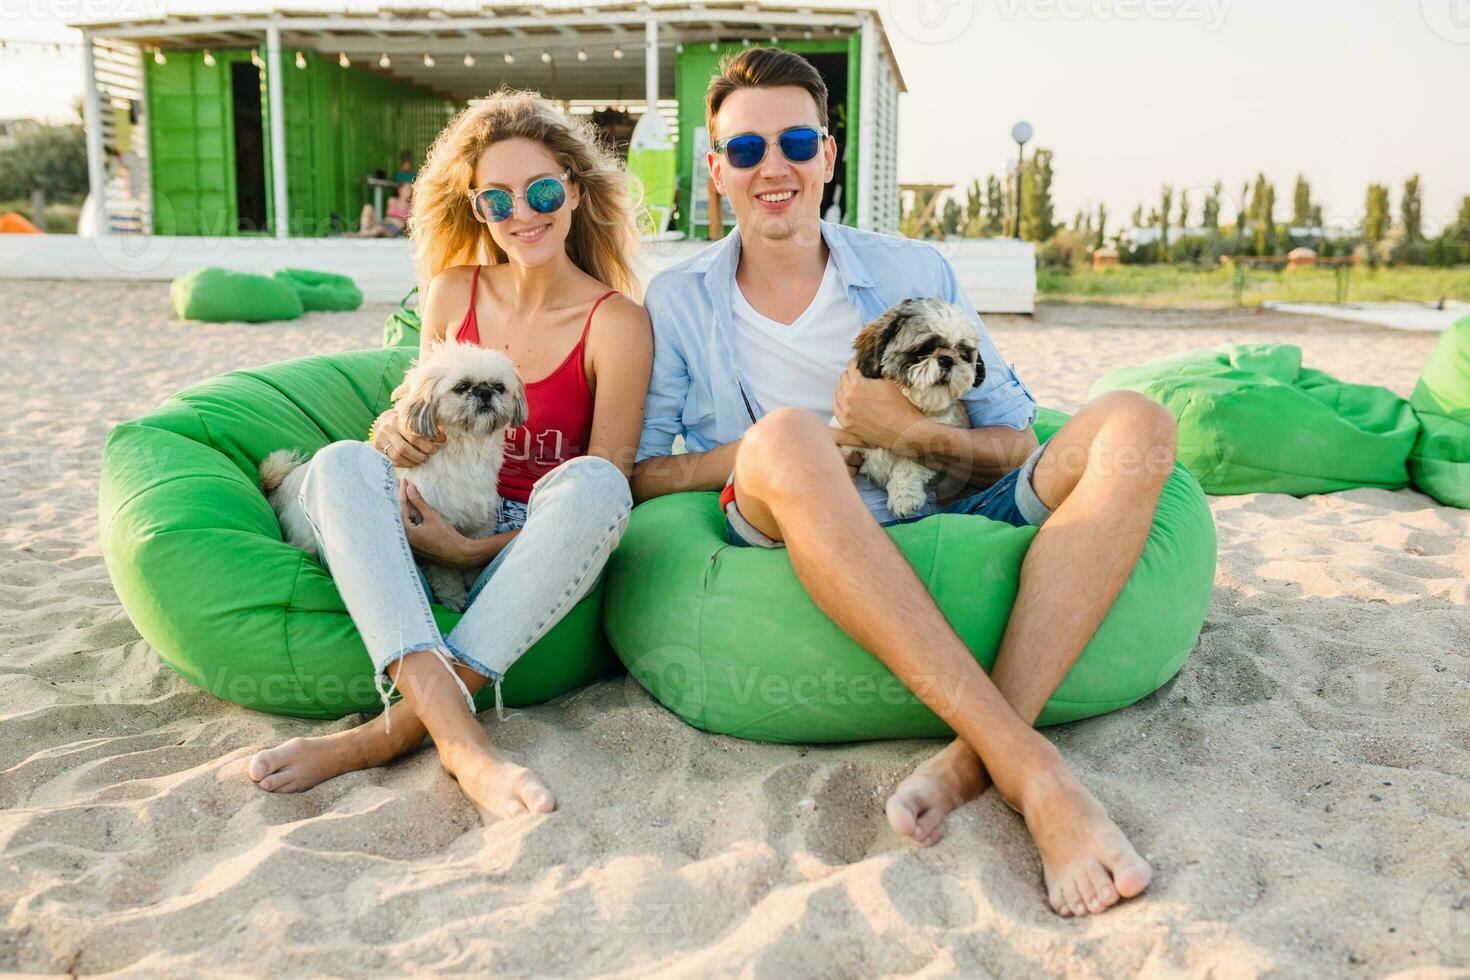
<point>1372,98</point>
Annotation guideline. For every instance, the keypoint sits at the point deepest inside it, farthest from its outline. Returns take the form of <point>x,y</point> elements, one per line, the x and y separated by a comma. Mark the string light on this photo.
<point>255,58</point>
<point>428,60</point>
<point>546,57</point>
<point>618,54</point>
<point>509,58</point>
<point>158,58</point>
<point>208,59</point>
<point>679,48</point>
<point>775,39</point>
<point>714,45</point>
<point>807,33</point>
<point>342,59</point>
<point>469,60</point>
<point>581,55</point>
<point>745,42</point>
<point>384,61</point>
<point>300,60</point>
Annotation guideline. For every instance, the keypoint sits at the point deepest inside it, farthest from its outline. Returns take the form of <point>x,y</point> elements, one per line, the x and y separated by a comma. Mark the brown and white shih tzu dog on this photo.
<point>474,397</point>
<point>931,350</point>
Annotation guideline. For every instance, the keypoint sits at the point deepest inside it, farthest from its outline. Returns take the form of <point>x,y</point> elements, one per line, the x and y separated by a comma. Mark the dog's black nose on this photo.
<point>946,362</point>
<point>484,392</point>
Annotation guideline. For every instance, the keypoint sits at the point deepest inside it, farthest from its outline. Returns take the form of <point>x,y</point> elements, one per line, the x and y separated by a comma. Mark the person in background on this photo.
<point>406,173</point>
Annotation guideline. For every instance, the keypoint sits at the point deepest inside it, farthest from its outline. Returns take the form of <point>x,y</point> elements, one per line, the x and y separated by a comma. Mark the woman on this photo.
<point>511,180</point>
<point>394,225</point>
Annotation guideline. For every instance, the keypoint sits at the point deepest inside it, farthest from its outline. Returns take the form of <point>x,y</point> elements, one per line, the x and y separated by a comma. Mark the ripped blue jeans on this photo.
<point>574,519</point>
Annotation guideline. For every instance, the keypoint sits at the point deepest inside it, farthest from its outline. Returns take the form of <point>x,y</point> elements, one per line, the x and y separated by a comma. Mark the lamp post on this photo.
<point>1021,132</point>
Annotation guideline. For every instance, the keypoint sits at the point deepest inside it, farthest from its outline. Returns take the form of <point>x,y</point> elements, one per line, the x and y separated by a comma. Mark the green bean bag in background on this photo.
<point>196,556</point>
<point>1440,461</point>
<point>1253,420</point>
<point>223,296</point>
<point>726,638</point>
<point>402,327</point>
<point>322,290</point>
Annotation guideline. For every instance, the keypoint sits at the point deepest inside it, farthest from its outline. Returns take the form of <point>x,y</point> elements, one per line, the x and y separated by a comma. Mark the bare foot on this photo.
<point>298,764</point>
<point>943,782</point>
<point>498,787</point>
<point>1088,863</point>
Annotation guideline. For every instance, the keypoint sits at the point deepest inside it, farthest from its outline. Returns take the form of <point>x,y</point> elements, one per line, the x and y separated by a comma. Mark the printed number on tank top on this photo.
<point>548,446</point>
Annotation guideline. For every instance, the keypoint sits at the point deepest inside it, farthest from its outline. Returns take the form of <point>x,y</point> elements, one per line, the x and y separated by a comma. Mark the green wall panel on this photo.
<point>341,124</point>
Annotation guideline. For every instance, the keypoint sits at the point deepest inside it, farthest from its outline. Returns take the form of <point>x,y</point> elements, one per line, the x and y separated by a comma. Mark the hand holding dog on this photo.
<point>402,447</point>
<point>872,409</point>
<point>429,534</point>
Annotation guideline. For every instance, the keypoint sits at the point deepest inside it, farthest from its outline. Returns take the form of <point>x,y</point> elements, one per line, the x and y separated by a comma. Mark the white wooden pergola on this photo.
<point>604,45</point>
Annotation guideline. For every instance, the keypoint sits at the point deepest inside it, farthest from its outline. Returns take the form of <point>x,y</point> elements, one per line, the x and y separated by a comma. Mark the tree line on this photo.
<point>1199,227</point>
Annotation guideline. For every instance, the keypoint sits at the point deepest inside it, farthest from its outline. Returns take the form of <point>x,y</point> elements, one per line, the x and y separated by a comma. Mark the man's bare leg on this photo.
<point>497,786</point>
<point>1101,475</point>
<point>298,764</point>
<point>791,483</point>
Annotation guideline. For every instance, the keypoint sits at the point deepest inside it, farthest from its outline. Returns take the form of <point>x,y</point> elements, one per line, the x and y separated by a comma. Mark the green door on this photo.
<point>191,143</point>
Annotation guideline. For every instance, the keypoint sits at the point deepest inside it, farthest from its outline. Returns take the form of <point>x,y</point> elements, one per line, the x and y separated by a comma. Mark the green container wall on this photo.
<point>191,143</point>
<point>341,125</point>
<point>697,64</point>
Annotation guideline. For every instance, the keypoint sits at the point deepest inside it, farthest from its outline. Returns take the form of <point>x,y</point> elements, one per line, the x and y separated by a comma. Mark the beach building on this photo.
<point>285,124</point>
<point>254,140</point>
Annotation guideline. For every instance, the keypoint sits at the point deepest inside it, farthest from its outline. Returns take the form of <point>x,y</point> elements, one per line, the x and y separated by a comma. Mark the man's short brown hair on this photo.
<point>763,68</point>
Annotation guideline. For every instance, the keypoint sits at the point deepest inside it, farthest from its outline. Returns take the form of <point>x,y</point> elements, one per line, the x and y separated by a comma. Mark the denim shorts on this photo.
<point>1011,500</point>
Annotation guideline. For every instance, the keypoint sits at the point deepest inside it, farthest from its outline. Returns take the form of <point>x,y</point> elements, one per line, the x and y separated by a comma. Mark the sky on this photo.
<point>1128,94</point>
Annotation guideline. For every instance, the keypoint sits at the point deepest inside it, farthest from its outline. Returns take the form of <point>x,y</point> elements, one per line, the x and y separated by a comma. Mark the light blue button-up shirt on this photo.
<point>696,390</point>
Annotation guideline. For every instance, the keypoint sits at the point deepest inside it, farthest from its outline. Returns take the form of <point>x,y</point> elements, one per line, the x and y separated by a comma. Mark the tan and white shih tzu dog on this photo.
<point>931,350</point>
<point>475,398</point>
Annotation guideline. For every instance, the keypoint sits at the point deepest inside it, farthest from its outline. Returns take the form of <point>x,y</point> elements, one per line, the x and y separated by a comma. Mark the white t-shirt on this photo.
<point>798,364</point>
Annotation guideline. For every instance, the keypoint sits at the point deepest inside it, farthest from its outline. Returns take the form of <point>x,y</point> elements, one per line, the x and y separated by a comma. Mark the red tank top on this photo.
<point>559,417</point>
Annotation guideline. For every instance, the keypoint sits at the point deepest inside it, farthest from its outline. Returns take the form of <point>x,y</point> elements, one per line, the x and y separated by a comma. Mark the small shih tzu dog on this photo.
<point>931,350</point>
<point>473,396</point>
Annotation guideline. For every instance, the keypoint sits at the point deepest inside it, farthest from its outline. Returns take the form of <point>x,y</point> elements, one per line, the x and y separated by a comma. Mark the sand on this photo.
<point>1301,788</point>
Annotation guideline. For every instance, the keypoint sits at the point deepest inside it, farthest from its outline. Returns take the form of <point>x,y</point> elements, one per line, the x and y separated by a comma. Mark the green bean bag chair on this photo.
<point>223,296</point>
<point>1440,462</point>
<point>1253,420</point>
<point>403,327</point>
<point>726,638</point>
<point>196,556</point>
<point>322,290</point>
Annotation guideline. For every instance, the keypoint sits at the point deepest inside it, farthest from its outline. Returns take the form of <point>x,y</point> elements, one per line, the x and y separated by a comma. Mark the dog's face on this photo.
<point>928,347</point>
<point>461,388</point>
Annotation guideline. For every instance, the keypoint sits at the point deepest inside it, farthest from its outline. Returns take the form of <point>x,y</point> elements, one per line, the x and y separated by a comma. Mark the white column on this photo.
<point>650,63</point>
<point>96,165</point>
<point>867,122</point>
<point>277,109</point>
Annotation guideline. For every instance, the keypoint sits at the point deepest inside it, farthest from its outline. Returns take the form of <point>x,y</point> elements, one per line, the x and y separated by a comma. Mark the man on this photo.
<point>752,340</point>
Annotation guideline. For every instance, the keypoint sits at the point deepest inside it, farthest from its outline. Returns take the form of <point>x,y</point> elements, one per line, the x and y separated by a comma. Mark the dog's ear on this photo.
<point>873,342</point>
<point>416,404</point>
<point>520,411</point>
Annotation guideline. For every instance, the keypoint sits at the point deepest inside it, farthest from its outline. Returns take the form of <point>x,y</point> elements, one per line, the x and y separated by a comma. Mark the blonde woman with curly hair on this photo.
<point>524,228</point>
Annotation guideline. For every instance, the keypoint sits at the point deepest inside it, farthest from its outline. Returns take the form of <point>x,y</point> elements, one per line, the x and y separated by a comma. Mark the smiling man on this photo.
<point>752,345</point>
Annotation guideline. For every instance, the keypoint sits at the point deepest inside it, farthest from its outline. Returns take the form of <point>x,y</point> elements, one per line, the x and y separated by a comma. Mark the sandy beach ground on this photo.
<point>1302,788</point>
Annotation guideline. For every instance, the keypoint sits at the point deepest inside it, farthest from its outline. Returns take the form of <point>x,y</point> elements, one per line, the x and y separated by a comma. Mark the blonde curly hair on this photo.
<point>604,233</point>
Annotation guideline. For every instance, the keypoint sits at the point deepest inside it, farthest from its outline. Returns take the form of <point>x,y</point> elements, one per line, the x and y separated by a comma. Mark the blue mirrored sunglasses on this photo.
<point>798,144</point>
<point>495,204</point>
